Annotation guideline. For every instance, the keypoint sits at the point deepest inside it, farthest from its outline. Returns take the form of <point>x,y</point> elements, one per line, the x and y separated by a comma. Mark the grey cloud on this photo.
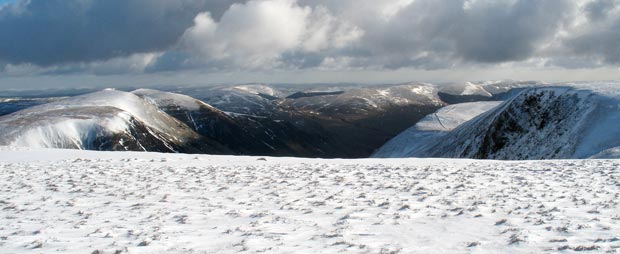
<point>48,32</point>
<point>261,35</point>
<point>599,42</point>
<point>435,34</point>
<point>598,10</point>
<point>302,60</point>
<point>487,32</point>
<point>393,34</point>
<point>419,31</point>
<point>173,60</point>
<point>501,32</point>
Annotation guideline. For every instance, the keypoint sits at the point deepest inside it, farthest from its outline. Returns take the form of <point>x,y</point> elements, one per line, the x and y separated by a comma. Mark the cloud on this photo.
<point>597,41</point>
<point>134,64</point>
<point>445,33</point>
<point>133,36</point>
<point>503,31</point>
<point>49,32</point>
<point>260,35</point>
<point>599,10</point>
<point>251,34</point>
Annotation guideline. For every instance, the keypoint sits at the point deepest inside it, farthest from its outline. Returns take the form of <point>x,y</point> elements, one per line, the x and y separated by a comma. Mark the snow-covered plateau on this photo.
<point>72,201</point>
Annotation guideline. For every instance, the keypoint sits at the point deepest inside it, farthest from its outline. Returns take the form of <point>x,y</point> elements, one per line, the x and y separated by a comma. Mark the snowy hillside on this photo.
<point>256,100</point>
<point>69,201</point>
<point>105,120</point>
<point>483,90</point>
<point>544,122</point>
<point>370,100</point>
<point>241,134</point>
<point>194,113</point>
<point>428,130</point>
<point>486,88</point>
<point>331,121</point>
<point>260,89</point>
<point>167,99</point>
<point>572,121</point>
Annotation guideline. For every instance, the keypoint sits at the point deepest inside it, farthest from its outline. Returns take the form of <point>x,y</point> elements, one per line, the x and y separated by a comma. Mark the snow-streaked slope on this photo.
<point>570,121</point>
<point>241,101</point>
<point>207,120</point>
<point>360,101</point>
<point>105,120</point>
<point>184,108</point>
<point>99,202</point>
<point>241,134</point>
<point>127,102</point>
<point>428,130</point>
<point>65,128</point>
<point>474,89</point>
<point>167,99</point>
<point>259,89</point>
<point>450,117</point>
<point>486,88</point>
<point>505,86</point>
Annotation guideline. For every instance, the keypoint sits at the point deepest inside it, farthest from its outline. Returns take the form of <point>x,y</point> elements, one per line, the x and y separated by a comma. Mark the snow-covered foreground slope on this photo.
<point>432,127</point>
<point>66,201</point>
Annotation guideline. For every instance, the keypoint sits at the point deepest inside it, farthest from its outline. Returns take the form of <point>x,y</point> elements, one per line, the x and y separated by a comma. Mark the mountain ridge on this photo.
<point>257,119</point>
<point>570,121</point>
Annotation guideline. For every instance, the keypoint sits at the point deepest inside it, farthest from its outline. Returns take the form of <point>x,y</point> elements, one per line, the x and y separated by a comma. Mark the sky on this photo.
<point>87,43</point>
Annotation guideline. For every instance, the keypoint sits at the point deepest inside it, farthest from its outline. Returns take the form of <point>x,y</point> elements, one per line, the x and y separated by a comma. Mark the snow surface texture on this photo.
<point>72,201</point>
<point>429,129</point>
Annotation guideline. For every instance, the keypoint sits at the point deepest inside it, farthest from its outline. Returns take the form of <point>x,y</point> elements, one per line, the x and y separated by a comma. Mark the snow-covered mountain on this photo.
<point>431,128</point>
<point>365,118</point>
<point>252,119</point>
<point>572,121</point>
<point>182,107</point>
<point>260,89</point>
<point>240,133</point>
<point>255,99</point>
<point>357,103</point>
<point>454,93</point>
<point>352,121</point>
<point>151,120</point>
<point>105,120</point>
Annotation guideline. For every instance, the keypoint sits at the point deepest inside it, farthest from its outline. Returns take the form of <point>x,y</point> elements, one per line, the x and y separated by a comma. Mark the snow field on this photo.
<point>60,201</point>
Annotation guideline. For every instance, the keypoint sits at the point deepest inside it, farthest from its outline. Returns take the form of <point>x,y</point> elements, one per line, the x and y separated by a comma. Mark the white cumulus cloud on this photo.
<point>257,34</point>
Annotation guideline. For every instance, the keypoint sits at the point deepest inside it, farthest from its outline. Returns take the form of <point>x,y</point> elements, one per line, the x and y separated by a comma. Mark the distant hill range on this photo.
<point>486,120</point>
